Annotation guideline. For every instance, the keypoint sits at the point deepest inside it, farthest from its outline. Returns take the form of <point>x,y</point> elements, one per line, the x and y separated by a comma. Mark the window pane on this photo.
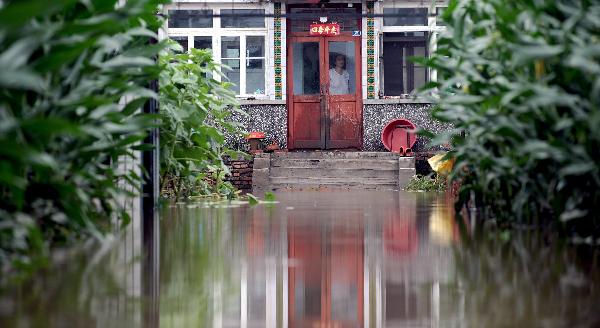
<point>255,76</point>
<point>420,78</point>
<point>393,63</point>
<point>255,46</point>
<point>438,13</point>
<point>419,51</point>
<point>233,73</point>
<point>242,18</point>
<point>341,67</point>
<point>182,40</point>
<point>405,16</point>
<point>203,42</point>
<point>230,47</point>
<point>190,18</point>
<point>306,68</point>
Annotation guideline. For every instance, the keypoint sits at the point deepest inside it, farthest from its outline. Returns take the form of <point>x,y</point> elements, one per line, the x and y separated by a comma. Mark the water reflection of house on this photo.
<point>344,269</point>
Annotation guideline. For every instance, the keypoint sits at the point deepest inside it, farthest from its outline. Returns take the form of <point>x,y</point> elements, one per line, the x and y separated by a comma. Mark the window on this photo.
<point>203,42</point>
<point>182,40</point>
<point>249,77</point>
<point>236,37</point>
<point>230,56</point>
<point>198,42</point>
<point>405,34</point>
<point>190,18</point>
<point>439,11</point>
<point>405,17</point>
<point>400,75</point>
<point>242,18</point>
<point>255,65</point>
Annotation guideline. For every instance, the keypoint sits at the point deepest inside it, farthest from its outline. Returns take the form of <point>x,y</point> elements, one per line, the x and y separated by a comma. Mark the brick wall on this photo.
<point>241,173</point>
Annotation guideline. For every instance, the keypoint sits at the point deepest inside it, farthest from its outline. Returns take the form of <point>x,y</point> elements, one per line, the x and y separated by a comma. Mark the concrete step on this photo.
<point>334,154</point>
<point>332,170</point>
<point>307,186</point>
<point>331,163</point>
<point>390,173</point>
<point>354,181</point>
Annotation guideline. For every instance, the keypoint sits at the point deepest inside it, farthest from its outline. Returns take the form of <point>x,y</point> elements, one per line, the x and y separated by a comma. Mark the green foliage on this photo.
<point>269,197</point>
<point>252,200</point>
<point>196,111</point>
<point>522,81</point>
<point>433,182</point>
<point>66,67</point>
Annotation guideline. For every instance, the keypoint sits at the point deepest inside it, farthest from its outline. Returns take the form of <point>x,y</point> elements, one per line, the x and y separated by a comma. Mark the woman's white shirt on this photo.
<point>338,83</point>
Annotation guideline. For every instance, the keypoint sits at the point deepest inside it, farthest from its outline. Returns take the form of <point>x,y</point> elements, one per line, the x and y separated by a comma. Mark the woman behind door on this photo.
<point>339,79</point>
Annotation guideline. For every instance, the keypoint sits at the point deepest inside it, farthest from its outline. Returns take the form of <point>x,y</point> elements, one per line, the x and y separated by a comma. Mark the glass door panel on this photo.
<point>343,105</point>
<point>306,66</point>
<point>342,67</point>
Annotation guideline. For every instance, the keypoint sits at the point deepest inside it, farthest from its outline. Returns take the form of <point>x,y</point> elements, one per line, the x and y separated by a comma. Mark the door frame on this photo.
<point>324,83</point>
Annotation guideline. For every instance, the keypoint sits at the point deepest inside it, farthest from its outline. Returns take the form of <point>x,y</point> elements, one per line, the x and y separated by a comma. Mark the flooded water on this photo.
<point>315,259</point>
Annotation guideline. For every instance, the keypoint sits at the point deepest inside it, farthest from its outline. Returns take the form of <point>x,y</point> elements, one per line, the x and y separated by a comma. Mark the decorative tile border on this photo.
<point>370,52</point>
<point>277,50</point>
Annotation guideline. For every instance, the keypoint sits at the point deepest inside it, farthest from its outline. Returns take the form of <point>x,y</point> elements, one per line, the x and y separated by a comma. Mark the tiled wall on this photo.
<point>272,120</point>
<point>376,116</point>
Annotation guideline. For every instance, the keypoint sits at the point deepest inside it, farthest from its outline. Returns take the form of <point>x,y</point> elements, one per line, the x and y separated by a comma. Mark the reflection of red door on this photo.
<point>319,116</point>
<point>326,277</point>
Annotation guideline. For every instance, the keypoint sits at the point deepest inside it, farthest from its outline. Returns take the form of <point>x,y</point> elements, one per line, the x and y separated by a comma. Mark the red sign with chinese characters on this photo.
<point>330,29</point>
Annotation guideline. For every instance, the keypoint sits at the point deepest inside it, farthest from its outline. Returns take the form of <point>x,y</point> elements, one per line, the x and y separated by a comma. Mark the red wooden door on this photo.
<point>324,101</point>
<point>305,97</point>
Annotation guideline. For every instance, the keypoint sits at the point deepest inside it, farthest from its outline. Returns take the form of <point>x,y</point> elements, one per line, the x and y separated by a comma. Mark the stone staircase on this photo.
<point>331,170</point>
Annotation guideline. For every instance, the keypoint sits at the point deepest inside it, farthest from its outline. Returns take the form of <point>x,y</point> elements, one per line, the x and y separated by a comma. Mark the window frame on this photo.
<point>409,44</point>
<point>216,32</point>
<point>431,29</point>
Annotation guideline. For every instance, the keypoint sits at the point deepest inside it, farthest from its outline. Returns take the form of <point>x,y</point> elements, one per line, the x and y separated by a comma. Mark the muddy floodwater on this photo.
<point>313,259</point>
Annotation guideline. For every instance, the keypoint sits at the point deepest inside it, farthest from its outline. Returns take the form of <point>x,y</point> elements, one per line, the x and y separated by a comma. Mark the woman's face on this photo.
<point>339,61</point>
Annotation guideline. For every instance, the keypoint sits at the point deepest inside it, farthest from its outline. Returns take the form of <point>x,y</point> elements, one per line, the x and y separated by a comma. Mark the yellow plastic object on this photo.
<point>441,166</point>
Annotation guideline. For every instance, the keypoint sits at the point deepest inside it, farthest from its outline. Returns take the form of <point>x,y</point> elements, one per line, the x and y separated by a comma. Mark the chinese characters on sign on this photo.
<point>325,29</point>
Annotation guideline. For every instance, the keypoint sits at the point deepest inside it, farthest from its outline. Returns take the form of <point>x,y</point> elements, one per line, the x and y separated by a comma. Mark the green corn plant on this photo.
<point>520,83</point>
<point>67,67</point>
<point>196,113</point>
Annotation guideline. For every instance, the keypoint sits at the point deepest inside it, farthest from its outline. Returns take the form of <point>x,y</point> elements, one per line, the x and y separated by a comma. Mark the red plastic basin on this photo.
<point>399,135</point>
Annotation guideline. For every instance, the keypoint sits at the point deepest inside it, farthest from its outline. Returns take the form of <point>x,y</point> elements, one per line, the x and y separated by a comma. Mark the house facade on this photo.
<point>317,75</point>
